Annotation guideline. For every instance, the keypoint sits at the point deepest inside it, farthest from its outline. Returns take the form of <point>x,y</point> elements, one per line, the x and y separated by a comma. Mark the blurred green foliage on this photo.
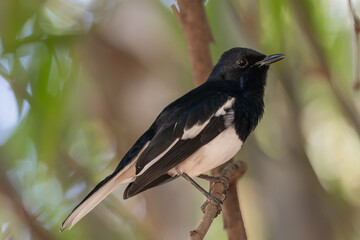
<point>72,67</point>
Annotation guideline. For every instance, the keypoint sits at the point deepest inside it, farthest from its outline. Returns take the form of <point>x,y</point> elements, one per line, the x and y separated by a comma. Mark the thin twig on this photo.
<point>233,221</point>
<point>232,171</point>
<point>356,84</point>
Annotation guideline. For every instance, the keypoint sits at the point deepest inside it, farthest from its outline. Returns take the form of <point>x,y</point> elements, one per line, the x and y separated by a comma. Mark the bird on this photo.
<point>199,131</point>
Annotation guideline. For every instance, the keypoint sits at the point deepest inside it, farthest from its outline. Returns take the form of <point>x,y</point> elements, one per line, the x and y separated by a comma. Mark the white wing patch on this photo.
<point>223,110</point>
<point>194,130</point>
<point>152,162</point>
<point>227,105</point>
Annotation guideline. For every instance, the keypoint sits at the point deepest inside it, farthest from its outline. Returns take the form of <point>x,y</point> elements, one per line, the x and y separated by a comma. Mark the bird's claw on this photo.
<point>214,180</point>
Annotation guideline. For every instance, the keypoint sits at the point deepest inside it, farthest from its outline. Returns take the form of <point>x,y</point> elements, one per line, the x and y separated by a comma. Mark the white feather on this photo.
<point>152,162</point>
<point>216,152</point>
<point>89,204</point>
<point>125,176</point>
<point>194,131</point>
<point>223,110</point>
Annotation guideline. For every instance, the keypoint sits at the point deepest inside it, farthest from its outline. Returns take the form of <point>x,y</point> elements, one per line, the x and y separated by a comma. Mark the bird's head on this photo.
<point>244,66</point>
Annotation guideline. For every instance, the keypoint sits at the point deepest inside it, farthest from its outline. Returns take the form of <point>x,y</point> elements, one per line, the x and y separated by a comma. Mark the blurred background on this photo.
<point>80,80</point>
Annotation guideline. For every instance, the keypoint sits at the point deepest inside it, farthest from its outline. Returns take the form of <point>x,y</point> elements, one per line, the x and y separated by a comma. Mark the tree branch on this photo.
<point>233,221</point>
<point>232,172</point>
<point>193,23</point>
<point>356,32</point>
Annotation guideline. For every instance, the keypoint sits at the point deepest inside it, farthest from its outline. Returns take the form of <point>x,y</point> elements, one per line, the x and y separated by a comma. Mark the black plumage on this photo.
<point>197,132</point>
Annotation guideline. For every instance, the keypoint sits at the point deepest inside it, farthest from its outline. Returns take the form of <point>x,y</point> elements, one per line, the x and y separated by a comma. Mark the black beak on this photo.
<point>270,59</point>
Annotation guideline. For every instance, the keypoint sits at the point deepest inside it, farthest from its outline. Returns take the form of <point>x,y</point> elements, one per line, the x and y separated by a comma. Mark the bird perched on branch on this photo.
<point>194,134</point>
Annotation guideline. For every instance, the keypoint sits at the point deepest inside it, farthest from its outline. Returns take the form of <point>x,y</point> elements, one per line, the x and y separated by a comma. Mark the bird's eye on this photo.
<point>242,62</point>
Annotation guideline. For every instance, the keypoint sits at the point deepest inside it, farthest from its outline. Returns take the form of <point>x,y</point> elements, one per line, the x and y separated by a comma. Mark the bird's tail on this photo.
<point>104,188</point>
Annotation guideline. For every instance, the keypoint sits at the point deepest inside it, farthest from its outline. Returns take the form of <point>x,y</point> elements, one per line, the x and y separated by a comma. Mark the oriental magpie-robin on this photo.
<point>194,134</point>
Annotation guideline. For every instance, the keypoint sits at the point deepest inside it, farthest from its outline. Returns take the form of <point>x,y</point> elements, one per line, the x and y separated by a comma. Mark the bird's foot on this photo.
<point>214,180</point>
<point>210,198</point>
<point>214,200</point>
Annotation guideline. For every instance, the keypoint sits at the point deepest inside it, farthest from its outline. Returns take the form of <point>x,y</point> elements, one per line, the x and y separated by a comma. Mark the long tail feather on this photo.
<point>104,188</point>
<point>124,173</point>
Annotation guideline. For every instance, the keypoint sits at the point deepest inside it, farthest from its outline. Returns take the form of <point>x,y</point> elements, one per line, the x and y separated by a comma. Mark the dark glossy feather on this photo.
<point>177,154</point>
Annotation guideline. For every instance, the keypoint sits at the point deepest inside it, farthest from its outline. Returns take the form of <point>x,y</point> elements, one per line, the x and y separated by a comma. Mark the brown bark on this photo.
<point>193,23</point>
<point>234,224</point>
<point>233,221</point>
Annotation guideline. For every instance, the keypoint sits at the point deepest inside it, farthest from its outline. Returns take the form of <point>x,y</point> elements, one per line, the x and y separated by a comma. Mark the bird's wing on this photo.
<point>106,186</point>
<point>185,131</point>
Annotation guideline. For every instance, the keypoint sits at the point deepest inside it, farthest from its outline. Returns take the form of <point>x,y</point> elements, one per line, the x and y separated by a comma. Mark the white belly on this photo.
<point>216,152</point>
